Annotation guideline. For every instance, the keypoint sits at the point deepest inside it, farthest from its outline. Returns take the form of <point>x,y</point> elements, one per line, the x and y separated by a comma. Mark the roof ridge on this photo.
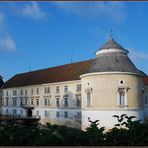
<point>53,67</point>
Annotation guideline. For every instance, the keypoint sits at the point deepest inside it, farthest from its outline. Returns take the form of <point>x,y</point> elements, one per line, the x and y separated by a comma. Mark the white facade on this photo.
<point>47,100</point>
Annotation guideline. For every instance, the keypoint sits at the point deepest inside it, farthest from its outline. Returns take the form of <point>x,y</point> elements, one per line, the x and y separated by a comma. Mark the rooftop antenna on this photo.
<point>29,64</point>
<point>71,55</point>
<point>111,34</point>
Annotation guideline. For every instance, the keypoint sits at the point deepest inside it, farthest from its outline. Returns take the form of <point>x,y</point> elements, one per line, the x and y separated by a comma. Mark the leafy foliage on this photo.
<point>127,131</point>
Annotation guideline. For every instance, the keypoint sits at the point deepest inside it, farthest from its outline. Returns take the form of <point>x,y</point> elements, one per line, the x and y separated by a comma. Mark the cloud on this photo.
<point>7,43</point>
<point>33,11</point>
<point>6,40</point>
<point>111,10</point>
<point>138,56</point>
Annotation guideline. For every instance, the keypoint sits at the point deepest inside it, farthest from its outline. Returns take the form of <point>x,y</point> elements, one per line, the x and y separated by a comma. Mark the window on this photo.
<point>7,102</point>
<point>57,114</point>
<point>57,89</point>
<point>26,92</point>
<point>146,100</point>
<point>66,88</point>
<point>21,92</point>
<point>66,114</point>
<point>37,91</point>
<point>25,101</point>
<point>37,113</point>
<point>31,101</point>
<point>66,101</point>
<point>45,113</point>
<point>7,111</point>
<point>48,101</point>
<point>88,99</point>
<point>21,112</point>
<point>122,97</point>
<point>45,102</point>
<point>47,90</point>
<point>32,91</point>
<point>122,82</point>
<point>78,100</point>
<point>14,101</point>
<point>6,93</point>
<point>79,87</point>
<point>37,101</point>
<point>58,101</point>
<point>21,101</point>
<point>14,112</point>
<point>14,92</point>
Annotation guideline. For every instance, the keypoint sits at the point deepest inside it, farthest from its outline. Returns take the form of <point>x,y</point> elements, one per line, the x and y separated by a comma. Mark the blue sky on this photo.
<point>44,34</point>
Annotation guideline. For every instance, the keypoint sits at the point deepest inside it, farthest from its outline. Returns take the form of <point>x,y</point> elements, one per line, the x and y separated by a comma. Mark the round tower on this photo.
<point>111,86</point>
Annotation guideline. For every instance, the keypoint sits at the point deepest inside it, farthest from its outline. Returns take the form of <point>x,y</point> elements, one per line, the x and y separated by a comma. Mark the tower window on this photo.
<point>122,97</point>
<point>88,99</point>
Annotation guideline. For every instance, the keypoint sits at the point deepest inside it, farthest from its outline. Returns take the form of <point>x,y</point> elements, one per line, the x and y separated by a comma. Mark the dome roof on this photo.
<point>112,57</point>
<point>111,43</point>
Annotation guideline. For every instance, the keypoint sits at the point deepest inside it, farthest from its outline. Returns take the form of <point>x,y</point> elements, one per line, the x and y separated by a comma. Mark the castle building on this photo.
<point>73,94</point>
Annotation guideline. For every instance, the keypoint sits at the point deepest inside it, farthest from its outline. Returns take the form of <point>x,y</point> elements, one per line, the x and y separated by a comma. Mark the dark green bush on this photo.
<point>128,131</point>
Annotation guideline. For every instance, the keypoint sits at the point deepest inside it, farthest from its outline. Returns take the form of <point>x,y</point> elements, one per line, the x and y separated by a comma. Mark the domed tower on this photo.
<point>111,86</point>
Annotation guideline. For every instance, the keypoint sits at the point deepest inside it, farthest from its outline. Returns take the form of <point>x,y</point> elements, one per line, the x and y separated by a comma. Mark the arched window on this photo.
<point>122,97</point>
<point>88,99</point>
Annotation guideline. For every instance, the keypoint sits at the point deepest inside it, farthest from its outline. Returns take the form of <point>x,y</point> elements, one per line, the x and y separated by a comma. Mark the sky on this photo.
<point>38,35</point>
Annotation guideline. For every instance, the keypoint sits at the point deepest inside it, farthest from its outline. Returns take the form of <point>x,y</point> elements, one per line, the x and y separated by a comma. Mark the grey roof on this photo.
<point>113,61</point>
<point>111,43</point>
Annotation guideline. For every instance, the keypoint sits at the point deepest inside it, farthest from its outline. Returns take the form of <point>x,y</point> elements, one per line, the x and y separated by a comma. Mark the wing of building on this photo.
<point>110,84</point>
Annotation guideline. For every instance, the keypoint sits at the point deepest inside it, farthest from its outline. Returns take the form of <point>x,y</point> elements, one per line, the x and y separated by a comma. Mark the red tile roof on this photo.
<point>68,72</point>
<point>145,79</point>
